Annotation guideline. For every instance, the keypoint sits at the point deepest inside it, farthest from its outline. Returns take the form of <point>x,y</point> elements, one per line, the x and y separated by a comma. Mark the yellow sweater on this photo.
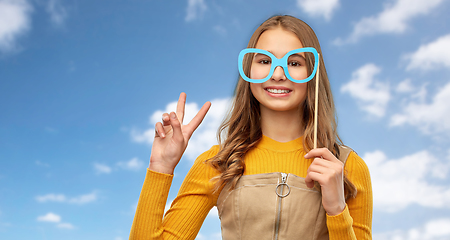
<point>195,199</point>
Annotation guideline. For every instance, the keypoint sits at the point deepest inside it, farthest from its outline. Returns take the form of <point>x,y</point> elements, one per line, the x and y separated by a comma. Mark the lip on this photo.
<point>278,88</point>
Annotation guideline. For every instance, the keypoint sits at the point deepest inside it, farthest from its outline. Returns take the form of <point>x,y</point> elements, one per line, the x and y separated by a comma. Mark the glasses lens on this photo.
<point>299,65</point>
<point>259,64</point>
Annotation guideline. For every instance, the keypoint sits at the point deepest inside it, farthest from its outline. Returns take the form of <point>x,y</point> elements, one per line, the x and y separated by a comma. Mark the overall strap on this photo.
<point>344,151</point>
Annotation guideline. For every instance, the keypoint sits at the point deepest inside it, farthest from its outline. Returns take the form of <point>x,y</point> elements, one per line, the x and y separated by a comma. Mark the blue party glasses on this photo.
<point>263,64</point>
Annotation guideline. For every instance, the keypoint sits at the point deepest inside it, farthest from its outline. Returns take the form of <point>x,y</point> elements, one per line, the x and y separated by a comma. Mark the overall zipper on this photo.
<point>280,196</point>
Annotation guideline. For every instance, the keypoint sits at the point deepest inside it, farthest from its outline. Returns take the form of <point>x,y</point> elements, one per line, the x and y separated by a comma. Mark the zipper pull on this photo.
<point>283,177</point>
<point>283,183</point>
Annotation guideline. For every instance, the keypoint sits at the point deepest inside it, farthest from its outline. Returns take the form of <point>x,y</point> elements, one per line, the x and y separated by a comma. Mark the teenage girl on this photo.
<point>266,177</point>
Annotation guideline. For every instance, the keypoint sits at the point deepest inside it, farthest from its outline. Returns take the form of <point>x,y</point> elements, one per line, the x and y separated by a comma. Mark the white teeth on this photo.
<point>277,90</point>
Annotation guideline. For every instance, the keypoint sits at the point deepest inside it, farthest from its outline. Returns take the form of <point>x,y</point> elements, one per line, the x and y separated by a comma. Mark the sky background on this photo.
<point>82,84</point>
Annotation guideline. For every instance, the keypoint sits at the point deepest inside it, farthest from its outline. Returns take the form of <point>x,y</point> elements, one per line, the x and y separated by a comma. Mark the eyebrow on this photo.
<point>296,54</point>
<point>258,54</point>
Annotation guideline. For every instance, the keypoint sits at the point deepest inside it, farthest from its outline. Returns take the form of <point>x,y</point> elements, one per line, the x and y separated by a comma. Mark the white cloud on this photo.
<point>133,164</point>
<point>393,19</point>
<point>213,213</point>
<point>220,30</point>
<point>212,236</point>
<point>319,8</point>
<point>102,168</point>
<point>57,12</point>
<point>14,22</point>
<point>54,218</point>
<point>195,9</point>
<point>167,207</point>
<point>39,163</point>
<point>205,135</point>
<point>146,136</point>
<point>49,217</point>
<point>436,229</point>
<point>405,86</point>
<point>65,226</point>
<point>51,198</point>
<point>431,56</point>
<point>82,199</point>
<point>431,117</point>
<point>372,95</point>
<point>398,183</point>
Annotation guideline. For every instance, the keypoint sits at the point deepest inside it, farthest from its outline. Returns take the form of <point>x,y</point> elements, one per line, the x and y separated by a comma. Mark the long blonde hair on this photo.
<point>242,126</point>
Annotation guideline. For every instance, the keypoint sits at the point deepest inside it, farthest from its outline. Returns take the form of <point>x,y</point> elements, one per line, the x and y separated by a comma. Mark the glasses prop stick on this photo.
<point>316,105</point>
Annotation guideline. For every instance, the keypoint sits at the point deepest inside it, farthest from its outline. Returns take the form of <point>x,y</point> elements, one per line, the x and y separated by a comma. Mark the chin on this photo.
<point>283,108</point>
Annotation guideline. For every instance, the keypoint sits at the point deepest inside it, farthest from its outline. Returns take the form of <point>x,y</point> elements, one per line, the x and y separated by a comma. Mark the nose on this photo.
<point>278,74</point>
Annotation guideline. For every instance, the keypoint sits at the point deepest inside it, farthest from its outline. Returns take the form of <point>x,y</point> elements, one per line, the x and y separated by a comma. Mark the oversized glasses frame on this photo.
<point>283,62</point>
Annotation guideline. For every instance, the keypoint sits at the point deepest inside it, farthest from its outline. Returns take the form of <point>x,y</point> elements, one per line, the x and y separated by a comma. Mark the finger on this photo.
<point>180,107</point>
<point>195,122</point>
<point>318,169</point>
<point>326,167</point>
<point>176,126</point>
<point>311,177</point>
<point>309,181</point>
<point>323,162</point>
<point>159,129</point>
<point>165,119</point>
<point>320,153</point>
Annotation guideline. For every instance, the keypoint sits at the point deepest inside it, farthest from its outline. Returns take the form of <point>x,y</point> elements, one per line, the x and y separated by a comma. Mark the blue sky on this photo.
<point>83,82</point>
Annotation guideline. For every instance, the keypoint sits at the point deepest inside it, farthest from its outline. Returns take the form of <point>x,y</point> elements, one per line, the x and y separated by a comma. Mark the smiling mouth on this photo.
<point>278,91</point>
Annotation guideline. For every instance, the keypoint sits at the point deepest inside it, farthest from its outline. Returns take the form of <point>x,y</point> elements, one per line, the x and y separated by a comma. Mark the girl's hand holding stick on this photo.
<point>326,169</point>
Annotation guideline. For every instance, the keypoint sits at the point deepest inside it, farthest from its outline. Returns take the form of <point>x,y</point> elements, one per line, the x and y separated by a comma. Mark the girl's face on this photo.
<point>278,93</point>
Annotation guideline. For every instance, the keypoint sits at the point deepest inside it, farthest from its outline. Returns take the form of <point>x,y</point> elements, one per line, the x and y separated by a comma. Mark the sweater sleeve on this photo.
<point>355,222</point>
<point>188,210</point>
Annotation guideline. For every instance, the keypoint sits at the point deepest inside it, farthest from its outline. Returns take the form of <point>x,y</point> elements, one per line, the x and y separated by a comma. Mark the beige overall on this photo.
<point>273,206</point>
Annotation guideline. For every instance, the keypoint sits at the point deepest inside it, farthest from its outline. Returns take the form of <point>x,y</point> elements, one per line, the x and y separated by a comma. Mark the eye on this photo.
<point>265,61</point>
<point>262,59</point>
<point>294,64</point>
<point>296,60</point>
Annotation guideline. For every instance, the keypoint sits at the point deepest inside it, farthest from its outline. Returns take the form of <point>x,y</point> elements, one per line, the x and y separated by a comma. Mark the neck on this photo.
<point>281,126</point>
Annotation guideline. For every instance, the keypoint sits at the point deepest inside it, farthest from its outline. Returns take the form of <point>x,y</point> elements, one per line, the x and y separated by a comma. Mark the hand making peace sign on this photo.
<point>171,137</point>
